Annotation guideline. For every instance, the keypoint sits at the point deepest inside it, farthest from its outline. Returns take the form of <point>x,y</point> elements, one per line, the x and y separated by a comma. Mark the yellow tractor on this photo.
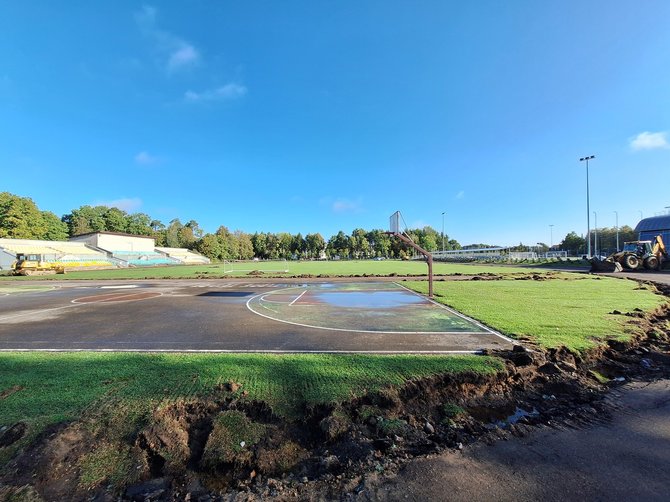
<point>35,264</point>
<point>635,255</point>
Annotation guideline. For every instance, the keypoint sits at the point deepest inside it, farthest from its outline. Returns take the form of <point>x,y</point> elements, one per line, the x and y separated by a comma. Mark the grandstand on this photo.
<point>71,255</point>
<point>98,250</point>
<point>185,256</point>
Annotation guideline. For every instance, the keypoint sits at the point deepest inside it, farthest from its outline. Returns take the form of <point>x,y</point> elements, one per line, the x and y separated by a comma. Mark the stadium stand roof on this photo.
<point>111,233</point>
<point>654,224</point>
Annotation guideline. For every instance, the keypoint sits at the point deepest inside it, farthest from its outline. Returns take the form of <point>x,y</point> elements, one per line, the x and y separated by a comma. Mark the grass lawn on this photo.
<point>574,312</point>
<point>44,388</point>
<point>296,268</point>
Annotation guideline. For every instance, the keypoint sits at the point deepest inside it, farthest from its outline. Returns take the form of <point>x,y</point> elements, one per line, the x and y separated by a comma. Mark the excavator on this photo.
<point>649,255</point>
<point>35,264</point>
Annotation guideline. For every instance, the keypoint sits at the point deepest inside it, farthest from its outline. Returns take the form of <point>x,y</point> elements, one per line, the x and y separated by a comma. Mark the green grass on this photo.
<point>558,312</point>
<point>57,387</point>
<point>329,268</point>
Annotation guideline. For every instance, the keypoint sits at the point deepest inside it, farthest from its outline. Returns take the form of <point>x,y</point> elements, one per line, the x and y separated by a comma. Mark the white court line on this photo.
<point>462,316</point>
<point>114,299</point>
<point>122,286</point>
<point>297,298</point>
<point>253,351</point>
<point>34,312</point>
<point>486,330</point>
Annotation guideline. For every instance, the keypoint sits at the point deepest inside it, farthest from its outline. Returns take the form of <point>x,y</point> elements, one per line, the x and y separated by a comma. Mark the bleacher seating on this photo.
<point>185,256</point>
<point>144,258</point>
<point>71,255</point>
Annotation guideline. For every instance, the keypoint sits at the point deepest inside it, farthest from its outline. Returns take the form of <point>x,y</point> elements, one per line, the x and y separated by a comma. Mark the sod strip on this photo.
<point>575,313</point>
<point>47,388</point>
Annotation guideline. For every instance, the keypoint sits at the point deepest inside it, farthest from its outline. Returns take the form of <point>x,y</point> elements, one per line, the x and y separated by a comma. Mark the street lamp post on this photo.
<point>588,212</point>
<point>551,236</point>
<point>641,217</point>
<point>443,233</point>
<point>595,233</point>
<point>617,231</point>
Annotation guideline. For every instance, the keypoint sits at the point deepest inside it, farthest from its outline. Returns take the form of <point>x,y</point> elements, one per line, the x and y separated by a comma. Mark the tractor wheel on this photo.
<point>631,261</point>
<point>651,263</point>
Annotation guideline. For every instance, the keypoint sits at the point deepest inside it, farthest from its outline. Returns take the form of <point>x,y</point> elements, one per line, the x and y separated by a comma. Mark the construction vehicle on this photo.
<point>636,255</point>
<point>35,264</point>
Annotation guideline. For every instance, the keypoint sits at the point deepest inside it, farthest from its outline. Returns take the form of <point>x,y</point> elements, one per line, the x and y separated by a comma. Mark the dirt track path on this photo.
<point>627,459</point>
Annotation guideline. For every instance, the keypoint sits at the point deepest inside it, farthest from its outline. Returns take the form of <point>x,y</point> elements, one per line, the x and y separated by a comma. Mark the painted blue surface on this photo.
<point>370,299</point>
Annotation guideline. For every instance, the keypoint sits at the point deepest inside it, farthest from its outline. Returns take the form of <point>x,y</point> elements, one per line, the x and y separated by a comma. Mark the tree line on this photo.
<point>20,218</point>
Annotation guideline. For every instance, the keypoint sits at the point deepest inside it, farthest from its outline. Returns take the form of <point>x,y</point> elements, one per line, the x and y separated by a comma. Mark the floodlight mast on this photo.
<point>395,231</point>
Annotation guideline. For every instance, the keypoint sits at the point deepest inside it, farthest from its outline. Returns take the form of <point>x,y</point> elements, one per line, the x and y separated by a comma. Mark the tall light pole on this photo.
<point>443,233</point>
<point>641,217</point>
<point>551,238</point>
<point>588,212</point>
<point>595,234</point>
<point>617,231</point>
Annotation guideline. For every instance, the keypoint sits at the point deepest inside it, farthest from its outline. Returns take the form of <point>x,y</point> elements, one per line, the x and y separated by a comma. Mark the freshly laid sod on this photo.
<point>44,388</point>
<point>575,313</point>
<point>297,268</point>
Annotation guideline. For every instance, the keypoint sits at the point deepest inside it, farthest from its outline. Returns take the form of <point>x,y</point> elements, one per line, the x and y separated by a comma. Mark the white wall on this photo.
<point>111,242</point>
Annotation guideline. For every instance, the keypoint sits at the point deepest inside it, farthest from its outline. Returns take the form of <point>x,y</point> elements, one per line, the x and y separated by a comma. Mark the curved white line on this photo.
<point>357,330</point>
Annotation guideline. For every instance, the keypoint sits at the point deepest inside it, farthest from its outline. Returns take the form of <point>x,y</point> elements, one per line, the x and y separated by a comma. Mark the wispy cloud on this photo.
<point>342,205</point>
<point>225,92</point>
<point>145,159</point>
<point>129,204</point>
<point>176,53</point>
<point>460,195</point>
<point>649,141</point>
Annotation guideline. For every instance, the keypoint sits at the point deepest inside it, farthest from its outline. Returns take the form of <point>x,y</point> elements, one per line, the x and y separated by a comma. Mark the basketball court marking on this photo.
<point>388,308</point>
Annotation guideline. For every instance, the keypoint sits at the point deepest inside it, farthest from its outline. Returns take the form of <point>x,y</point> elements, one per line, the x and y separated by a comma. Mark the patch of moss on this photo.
<point>392,426</point>
<point>113,464</point>
<point>600,378</point>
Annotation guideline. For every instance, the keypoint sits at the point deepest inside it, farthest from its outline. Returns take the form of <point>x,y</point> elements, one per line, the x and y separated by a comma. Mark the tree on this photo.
<point>85,220</point>
<point>172,233</point>
<point>139,224</point>
<point>56,230</point>
<point>573,244</point>
<point>209,246</point>
<point>20,218</point>
<point>314,245</point>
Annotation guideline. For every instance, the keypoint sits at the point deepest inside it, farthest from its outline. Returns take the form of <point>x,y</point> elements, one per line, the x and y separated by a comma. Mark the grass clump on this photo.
<point>453,411</point>
<point>575,312</point>
<point>232,437</point>
<point>391,426</point>
<point>114,464</point>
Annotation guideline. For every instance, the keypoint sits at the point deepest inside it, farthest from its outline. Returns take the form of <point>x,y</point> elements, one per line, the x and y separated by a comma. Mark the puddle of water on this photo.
<point>369,299</point>
<point>502,416</point>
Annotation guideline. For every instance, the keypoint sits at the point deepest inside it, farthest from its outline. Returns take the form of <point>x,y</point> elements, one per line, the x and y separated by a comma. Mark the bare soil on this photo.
<point>227,448</point>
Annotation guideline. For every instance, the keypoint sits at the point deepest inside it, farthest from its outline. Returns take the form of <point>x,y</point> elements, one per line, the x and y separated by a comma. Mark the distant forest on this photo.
<point>20,218</point>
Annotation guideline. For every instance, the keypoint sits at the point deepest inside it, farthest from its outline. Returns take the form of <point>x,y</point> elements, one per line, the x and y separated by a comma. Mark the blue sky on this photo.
<point>326,115</point>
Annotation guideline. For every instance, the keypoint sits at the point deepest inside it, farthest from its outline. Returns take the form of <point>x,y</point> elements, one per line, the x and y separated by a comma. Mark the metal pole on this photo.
<point>617,231</point>
<point>588,211</point>
<point>641,217</point>
<point>551,238</point>
<point>595,234</point>
<point>443,234</point>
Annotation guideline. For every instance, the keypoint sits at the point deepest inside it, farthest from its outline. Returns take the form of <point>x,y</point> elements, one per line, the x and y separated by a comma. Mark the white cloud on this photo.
<point>129,205</point>
<point>145,159</point>
<point>346,205</point>
<point>225,92</point>
<point>176,53</point>
<point>460,195</point>
<point>649,141</point>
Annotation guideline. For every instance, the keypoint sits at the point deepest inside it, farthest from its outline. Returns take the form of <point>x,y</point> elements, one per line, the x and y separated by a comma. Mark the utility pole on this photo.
<point>588,212</point>
<point>617,231</point>
<point>551,238</point>
<point>443,235</point>
<point>595,235</point>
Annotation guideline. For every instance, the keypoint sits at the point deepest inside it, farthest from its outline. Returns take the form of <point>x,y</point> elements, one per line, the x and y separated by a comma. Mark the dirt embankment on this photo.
<point>226,447</point>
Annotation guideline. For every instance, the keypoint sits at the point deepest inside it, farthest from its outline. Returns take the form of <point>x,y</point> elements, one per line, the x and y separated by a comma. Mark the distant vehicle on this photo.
<point>650,255</point>
<point>35,264</point>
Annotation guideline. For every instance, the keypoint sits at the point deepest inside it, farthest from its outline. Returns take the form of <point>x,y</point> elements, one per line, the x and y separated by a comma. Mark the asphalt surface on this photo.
<point>188,315</point>
<point>627,459</point>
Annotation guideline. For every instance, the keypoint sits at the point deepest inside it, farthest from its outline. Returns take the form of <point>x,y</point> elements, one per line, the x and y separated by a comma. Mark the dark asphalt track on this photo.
<point>187,315</point>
